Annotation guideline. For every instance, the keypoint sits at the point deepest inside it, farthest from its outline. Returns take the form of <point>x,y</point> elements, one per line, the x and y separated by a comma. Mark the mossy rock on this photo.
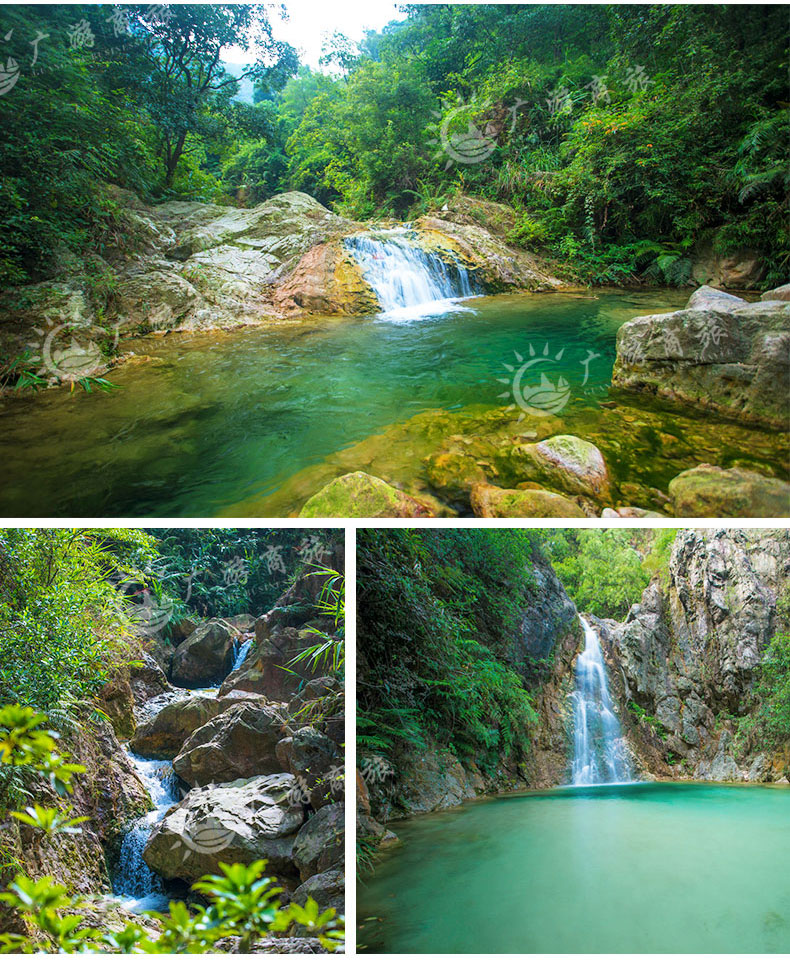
<point>708,491</point>
<point>489,501</point>
<point>361,495</point>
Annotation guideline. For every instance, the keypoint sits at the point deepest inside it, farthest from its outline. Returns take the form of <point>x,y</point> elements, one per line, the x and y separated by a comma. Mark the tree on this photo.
<point>180,48</point>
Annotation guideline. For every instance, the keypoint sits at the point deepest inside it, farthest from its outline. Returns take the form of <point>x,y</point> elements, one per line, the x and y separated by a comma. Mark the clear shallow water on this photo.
<point>633,868</point>
<point>221,418</point>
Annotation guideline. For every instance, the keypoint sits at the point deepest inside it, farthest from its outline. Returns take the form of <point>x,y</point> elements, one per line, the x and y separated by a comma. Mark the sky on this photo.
<point>309,21</point>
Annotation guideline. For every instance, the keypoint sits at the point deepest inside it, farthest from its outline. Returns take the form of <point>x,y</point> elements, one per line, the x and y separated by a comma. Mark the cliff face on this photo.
<point>685,657</point>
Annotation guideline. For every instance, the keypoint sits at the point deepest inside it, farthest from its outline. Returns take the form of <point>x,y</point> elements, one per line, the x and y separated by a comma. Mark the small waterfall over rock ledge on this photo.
<point>408,281</point>
<point>600,753</point>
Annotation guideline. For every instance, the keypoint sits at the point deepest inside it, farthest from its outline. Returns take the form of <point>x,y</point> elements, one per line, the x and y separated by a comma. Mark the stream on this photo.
<point>138,887</point>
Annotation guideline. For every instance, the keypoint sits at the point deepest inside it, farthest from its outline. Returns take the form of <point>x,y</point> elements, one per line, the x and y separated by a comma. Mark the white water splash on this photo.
<point>600,754</point>
<point>241,653</point>
<point>141,888</point>
<point>408,281</point>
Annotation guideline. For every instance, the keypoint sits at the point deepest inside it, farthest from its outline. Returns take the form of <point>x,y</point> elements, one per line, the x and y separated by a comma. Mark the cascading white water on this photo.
<point>134,881</point>
<point>600,754</point>
<point>407,280</point>
<point>242,650</point>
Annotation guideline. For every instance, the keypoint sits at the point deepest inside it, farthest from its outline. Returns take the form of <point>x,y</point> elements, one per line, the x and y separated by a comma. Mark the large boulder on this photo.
<point>320,844</point>
<point>162,736</point>
<point>205,656</point>
<point>361,495</point>
<point>327,280</point>
<point>328,890</point>
<point>708,491</point>
<point>489,501</point>
<point>238,743</point>
<point>566,463</point>
<point>239,822</point>
<point>738,269</point>
<point>719,353</point>
<point>778,293</point>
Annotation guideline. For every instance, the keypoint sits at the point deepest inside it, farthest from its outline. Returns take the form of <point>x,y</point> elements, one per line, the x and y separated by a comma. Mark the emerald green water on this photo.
<point>639,868</point>
<point>241,422</point>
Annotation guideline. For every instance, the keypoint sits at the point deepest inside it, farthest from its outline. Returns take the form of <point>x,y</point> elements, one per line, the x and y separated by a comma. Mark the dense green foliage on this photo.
<point>623,136</point>
<point>438,609</point>
<point>605,571</point>
<point>60,613</point>
<point>70,597</point>
<point>240,902</point>
<point>768,723</point>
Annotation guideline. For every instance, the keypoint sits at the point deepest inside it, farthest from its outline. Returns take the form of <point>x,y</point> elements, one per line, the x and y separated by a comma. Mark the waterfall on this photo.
<point>241,652</point>
<point>408,281</point>
<point>600,754</point>
<point>134,881</point>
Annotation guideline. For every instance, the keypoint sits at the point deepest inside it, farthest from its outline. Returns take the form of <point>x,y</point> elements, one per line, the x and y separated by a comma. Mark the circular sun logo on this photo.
<point>470,146</point>
<point>530,386</point>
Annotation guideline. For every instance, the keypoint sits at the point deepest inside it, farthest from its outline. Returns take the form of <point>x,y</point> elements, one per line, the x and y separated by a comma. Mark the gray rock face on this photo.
<point>238,743</point>
<point>328,890</point>
<point>719,353</point>
<point>688,652</point>
<point>205,656</point>
<point>320,844</point>
<point>242,821</point>
<point>164,733</point>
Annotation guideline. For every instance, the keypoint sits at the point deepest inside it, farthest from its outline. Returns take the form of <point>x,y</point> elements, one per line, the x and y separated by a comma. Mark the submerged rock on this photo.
<point>489,501</point>
<point>361,495</point>
<point>238,743</point>
<point>720,353</point>
<point>708,491</point>
<point>205,656</point>
<point>242,822</point>
<point>565,463</point>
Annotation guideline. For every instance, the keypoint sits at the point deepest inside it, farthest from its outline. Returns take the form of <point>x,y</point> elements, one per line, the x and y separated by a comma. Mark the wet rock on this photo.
<point>708,491</point>
<point>453,474</point>
<point>268,668</point>
<point>239,822</point>
<point>327,889</point>
<point>238,743</point>
<point>489,501</point>
<point>162,736</point>
<point>362,495</point>
<point>320,844</point>
<point>719,353</point>
<point>630,512</point>
<point>565,463</point>
<point>205,656</point>
<point>327,280</point>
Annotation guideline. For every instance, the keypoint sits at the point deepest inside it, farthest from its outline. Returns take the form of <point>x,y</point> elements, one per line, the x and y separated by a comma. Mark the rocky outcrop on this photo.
<point>720,353</point>
<point>320,844</point>
<point>242,821</point>
<point>205,656</point>
<point>361,495</point>
<point>240,742</point>
<point>162,737</point>
<point>687,653</point>
<point>737,270</point>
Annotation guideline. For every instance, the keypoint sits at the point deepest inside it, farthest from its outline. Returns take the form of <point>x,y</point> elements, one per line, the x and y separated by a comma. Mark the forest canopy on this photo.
<point>622,136</point>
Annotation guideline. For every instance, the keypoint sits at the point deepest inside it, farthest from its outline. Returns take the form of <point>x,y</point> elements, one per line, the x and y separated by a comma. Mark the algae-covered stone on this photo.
<point>565,463</point>
<point>453,473</point>
<point>362,495</point>
<point>489,501</point>
<point>708,491</point>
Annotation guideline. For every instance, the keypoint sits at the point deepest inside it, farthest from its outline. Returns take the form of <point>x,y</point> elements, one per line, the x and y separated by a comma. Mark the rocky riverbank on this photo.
<point>252,745</point>
<point>193,266</point>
